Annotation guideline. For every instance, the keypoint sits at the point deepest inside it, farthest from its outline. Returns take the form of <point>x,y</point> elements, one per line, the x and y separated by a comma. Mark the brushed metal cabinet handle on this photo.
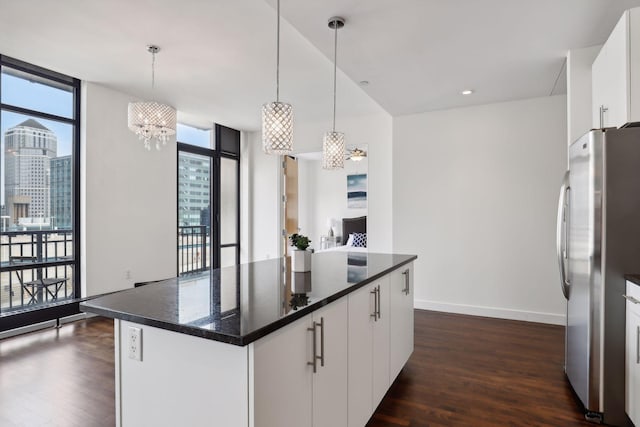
<point>638,345</point>
<point>631,299</point>
<point>378,310</point>
<point>406,289</point>
<point>314,358</point>
<point>603,110</point>
<point>321,324</point>
<point>375,304</point>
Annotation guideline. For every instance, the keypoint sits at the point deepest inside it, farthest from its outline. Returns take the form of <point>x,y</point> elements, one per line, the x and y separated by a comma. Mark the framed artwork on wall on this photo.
<point>357,191</point>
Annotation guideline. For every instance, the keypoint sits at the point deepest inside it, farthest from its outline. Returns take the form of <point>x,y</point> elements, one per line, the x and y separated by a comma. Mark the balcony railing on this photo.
<point>193,248</point>
<point>37,268</point>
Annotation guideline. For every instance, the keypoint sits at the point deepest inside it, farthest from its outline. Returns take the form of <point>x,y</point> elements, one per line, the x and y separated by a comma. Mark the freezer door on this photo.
<point>584,207</point>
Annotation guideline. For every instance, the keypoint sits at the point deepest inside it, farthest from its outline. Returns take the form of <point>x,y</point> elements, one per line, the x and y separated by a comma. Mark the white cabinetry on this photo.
<point>615,79</point>
<point>286,390</point>
<point>632,405</point>
<point>358,344</point>
<point>401,326</point>
<point>368,350</point>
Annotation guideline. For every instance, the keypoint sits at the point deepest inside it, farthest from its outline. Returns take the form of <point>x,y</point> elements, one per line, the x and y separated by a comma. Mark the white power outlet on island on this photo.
<point>135,343</point>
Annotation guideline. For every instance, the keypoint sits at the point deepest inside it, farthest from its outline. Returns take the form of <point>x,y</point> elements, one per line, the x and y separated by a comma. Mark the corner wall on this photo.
<point>475,193</point>
<point>128,217</point>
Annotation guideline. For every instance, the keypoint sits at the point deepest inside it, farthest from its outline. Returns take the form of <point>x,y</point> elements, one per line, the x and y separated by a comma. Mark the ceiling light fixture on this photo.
<point>333,143</point>
<point>467,92</point>
<point>152,120</point>
<point>357,154</point>
<point>277,117</point>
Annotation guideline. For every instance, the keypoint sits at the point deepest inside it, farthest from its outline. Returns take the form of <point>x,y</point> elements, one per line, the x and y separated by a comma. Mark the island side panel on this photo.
<point>181,380</point>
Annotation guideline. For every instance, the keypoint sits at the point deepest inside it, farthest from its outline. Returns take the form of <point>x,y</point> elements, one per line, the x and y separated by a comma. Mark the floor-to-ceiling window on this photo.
<point>208,198</point>
<point>39,200</point>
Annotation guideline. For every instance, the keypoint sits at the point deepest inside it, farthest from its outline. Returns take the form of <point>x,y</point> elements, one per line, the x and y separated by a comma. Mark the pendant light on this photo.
<point>333,143</point>
<point>277,117</point>
<point>152,120</point>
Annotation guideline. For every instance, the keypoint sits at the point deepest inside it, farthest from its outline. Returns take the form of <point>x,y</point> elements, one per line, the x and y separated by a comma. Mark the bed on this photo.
<point>351,226</point>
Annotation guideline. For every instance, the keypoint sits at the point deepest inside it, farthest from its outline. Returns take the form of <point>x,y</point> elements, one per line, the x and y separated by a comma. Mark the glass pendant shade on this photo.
<point>277,128</point>
<point>333,151</point>
<point>152,120</point>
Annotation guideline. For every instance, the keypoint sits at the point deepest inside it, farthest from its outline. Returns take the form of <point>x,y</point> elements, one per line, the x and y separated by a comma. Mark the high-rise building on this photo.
<point>61,200</point>
<point>29,148</point>
<point>193,188</point>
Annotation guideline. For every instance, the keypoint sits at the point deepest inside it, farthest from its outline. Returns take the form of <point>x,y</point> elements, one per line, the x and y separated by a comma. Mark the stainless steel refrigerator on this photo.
<point>598,242</point>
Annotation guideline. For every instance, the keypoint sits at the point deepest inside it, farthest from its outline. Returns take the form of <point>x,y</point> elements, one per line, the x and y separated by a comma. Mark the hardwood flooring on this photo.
<point>59,377</point>
<point>465,371</point>
<point>475,371</point>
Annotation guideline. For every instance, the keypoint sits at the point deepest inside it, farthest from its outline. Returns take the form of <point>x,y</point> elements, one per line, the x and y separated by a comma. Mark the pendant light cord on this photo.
<point>278,55</point>
<point>153,70</point>
<point>335,65</point>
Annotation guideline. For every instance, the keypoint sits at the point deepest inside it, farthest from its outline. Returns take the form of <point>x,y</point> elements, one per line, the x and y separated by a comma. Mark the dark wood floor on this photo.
<point>465,371</point>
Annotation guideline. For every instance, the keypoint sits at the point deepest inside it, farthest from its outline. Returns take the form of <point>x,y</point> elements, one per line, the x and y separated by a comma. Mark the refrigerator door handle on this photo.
<point>561,234</point>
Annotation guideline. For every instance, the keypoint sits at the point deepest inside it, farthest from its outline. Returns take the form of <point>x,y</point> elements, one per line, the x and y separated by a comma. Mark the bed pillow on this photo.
<point>359,240</point>
<point>349,240</point>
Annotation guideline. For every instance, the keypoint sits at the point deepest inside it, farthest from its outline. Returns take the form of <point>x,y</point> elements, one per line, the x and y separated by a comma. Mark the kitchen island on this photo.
<point>258,345</point>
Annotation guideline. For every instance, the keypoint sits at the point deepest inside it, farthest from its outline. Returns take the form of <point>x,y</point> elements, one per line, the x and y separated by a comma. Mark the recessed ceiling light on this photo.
<point>467,92</point>
<point>364,83</point>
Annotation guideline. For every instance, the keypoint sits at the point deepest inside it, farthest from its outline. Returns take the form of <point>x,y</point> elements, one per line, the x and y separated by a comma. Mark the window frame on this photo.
<point>215,154</point>
<point>47,313</point>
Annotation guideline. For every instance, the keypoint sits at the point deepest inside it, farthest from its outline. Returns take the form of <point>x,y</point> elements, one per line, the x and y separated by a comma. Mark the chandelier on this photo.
<point>333,142</point>
<point>152,120</point>
<point>277,117</point>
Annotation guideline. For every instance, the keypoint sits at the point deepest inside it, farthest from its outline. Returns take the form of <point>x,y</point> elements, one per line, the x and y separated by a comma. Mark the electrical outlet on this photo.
<point>135,343</point>
<point>127,274</point>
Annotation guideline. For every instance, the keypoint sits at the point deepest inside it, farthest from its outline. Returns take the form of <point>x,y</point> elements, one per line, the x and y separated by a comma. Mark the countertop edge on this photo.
<point>633,278</point>
<point>252,336</point>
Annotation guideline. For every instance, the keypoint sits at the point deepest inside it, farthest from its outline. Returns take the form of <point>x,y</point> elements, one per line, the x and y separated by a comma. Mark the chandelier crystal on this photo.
<point>277,117</point>
<point>152,120</point>
<point>333,146</point>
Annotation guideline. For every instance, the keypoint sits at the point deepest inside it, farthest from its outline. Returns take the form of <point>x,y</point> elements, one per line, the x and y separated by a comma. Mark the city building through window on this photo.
<point>208,198</point>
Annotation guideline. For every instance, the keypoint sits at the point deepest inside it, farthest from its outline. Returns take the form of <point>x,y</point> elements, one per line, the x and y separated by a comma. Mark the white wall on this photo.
<point>128,218</point>
<point>475,195</point>
<point>260,213</point>
<point>579,63</point>
<point>323,195</point>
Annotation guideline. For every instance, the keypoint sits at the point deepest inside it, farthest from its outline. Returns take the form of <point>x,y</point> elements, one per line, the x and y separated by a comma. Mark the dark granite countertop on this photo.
<point>240,304</point>
<point>633,278</point>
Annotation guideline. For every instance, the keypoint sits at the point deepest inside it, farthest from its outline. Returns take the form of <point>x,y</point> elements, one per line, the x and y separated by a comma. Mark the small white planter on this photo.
<point>300,261</point>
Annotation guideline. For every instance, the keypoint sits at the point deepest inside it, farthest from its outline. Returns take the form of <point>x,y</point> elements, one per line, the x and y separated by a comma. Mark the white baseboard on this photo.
<point>499,313</point>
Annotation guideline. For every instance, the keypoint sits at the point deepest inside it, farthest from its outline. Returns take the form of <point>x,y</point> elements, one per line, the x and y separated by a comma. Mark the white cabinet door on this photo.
<point>330,381</point>
<point>615,76</point>
<point>610,79</point>
<point>381,343</point>
<point>282,379</point>
<point>360,380</point>
<point>633,356</point>
<point>401,336</point>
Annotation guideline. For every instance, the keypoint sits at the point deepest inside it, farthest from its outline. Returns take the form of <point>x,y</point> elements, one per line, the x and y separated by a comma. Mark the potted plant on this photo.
<point>300,256</point>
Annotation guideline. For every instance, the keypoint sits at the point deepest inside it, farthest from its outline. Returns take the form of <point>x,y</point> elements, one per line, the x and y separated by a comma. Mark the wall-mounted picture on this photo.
<point>357,191</point>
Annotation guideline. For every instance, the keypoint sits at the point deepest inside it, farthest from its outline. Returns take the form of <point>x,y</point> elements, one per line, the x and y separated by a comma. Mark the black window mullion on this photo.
<point>42,314</point>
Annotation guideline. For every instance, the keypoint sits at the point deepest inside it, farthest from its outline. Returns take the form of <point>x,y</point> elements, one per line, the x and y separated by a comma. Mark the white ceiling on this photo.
<point>217,58</point>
